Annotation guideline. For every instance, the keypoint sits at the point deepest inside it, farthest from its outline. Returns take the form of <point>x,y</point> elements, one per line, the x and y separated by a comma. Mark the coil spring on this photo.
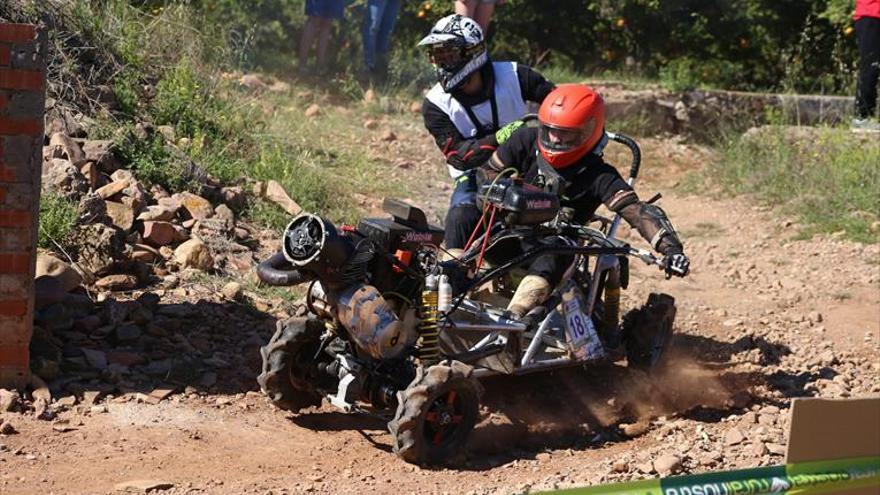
<point>429,332</point>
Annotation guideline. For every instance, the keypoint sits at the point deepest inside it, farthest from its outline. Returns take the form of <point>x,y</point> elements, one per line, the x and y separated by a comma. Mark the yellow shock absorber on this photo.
<point>611,316</point>
<point>429,331</point>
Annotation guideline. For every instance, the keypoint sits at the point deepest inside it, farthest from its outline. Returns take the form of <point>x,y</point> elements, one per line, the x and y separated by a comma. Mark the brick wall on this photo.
<point>22,97</point>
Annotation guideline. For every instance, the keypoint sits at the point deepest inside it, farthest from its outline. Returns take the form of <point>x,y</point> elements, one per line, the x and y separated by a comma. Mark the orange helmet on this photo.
<point>572,123</point>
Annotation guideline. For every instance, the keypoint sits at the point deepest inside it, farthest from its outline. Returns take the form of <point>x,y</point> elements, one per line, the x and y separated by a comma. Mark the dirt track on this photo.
<point>763,318</point>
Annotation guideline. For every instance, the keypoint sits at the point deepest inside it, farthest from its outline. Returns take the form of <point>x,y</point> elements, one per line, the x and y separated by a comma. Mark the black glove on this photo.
<point>676,263</point>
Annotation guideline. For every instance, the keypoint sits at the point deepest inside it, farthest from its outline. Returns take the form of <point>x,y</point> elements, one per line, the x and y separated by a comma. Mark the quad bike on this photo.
<point>395,331</point>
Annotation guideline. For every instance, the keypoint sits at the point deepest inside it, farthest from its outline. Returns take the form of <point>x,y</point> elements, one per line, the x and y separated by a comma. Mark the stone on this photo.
<point>275,192</point>
<point>122,175</point>
<point>128,333</point>
<point>279,87</point>
<point>96,359</point>
<point>117,282</point>
<point>135,196</point>
<point>233,197</point>
<point>124,358</point>
<point>121,215</point>
<point>162,393</point>
<point>370,124</point>
<point>90,397</point>
<point>10,400</point>
<point>6,428</point>
<point>143,486</point>
<point>91,173</point>
<point>63,178</point>
<point>197,206</point>
<point>231,291</point>
<point>667,464</point>
<point>168,133</point>
<point>145,254</point>
<point>194,254</point>
<point>54,318</point>
<point>87,324</point>
<point>828,358</point>
<point>635,429</point>
<point>733,322</point>
<point>112,189</point>
<point>733,436</point>
<point>313,110</point>
<point>158,192</point>
<point>758,449</point>
<point>620,466</point>
<point>92,209</point>
<point>102,153</point>
<point>48,265</point>
<point>63,146</point>
<point>100,247</point>
<point>166,253</point>
<point>161,234</point>
<point>224,214</point>
<point>252,82</point>
<point>47,291</point>
<point>775,448</point>
<point>389,136</point>
<point>158,213</point>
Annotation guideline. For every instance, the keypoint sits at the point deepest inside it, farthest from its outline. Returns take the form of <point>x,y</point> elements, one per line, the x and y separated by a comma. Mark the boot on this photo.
<point>532,291</point>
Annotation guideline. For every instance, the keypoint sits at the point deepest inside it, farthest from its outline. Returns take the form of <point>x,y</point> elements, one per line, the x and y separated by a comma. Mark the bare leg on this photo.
<point>324,41</point>
<point>465,7</point>
<point>309,34</point>
<point>483,15</point>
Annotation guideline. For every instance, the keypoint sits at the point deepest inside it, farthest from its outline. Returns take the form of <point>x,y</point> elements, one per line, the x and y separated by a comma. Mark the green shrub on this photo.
<point>57,220</point>
<point>151,160</point>
<point>830,181</point>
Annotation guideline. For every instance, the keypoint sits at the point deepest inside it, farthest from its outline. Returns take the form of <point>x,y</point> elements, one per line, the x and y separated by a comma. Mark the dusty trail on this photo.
<point>763,318</point>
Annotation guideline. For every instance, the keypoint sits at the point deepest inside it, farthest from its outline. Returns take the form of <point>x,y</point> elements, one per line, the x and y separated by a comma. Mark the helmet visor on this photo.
<point>561,139</point>
<point>446,56</point>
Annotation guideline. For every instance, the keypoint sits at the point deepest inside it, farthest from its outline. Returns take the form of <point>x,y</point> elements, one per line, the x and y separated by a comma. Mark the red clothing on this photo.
<point>867,8</point>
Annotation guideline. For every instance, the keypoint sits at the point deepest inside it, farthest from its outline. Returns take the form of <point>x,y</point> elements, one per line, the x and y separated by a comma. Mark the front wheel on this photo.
<point>435,414</point>
<point>647,331</point>
<point>289,366</point>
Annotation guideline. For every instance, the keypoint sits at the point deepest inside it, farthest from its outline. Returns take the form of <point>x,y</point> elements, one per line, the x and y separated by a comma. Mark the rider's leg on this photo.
<point>544,273</point>
<point>532,291</point>
<point>463,215</point>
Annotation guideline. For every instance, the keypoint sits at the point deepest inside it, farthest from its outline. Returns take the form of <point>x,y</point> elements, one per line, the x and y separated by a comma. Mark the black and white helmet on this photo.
<point>457,49</point>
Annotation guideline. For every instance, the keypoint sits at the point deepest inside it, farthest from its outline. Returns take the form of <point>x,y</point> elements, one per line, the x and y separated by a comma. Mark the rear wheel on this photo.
<point>289,365</point>
<point>647,331</point>
<point>435,414</point>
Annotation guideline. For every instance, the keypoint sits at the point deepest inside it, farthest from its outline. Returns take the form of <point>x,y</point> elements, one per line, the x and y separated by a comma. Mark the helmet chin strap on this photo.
<point>459,77</point>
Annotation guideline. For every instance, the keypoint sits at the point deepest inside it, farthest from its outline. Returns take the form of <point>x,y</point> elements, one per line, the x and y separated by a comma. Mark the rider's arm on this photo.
<point>514,153</point>
<point>650,220</point>
<point>533,85</point>
<point>461,153</point>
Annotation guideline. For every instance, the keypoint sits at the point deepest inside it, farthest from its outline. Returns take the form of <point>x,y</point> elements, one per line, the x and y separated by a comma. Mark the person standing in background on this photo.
<point>379,21</point>
<point>478,10</point>
<point>867,21</point>
<point>320,15</point>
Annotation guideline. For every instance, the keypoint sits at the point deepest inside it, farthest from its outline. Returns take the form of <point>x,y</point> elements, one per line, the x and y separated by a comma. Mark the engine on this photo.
<point>356,268</point>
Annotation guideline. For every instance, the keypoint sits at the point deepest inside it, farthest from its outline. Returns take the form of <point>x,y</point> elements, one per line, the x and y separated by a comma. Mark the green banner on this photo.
<point>809,478</point>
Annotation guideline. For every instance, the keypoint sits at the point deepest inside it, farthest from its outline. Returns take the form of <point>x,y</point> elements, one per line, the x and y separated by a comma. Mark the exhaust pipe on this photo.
<point>277,271</point>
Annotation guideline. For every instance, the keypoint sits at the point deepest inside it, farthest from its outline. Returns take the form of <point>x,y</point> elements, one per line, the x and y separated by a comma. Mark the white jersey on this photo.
<point>508,102</point>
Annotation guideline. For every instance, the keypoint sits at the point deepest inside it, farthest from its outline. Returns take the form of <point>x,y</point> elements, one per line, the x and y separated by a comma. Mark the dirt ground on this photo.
<point>764,317</point>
